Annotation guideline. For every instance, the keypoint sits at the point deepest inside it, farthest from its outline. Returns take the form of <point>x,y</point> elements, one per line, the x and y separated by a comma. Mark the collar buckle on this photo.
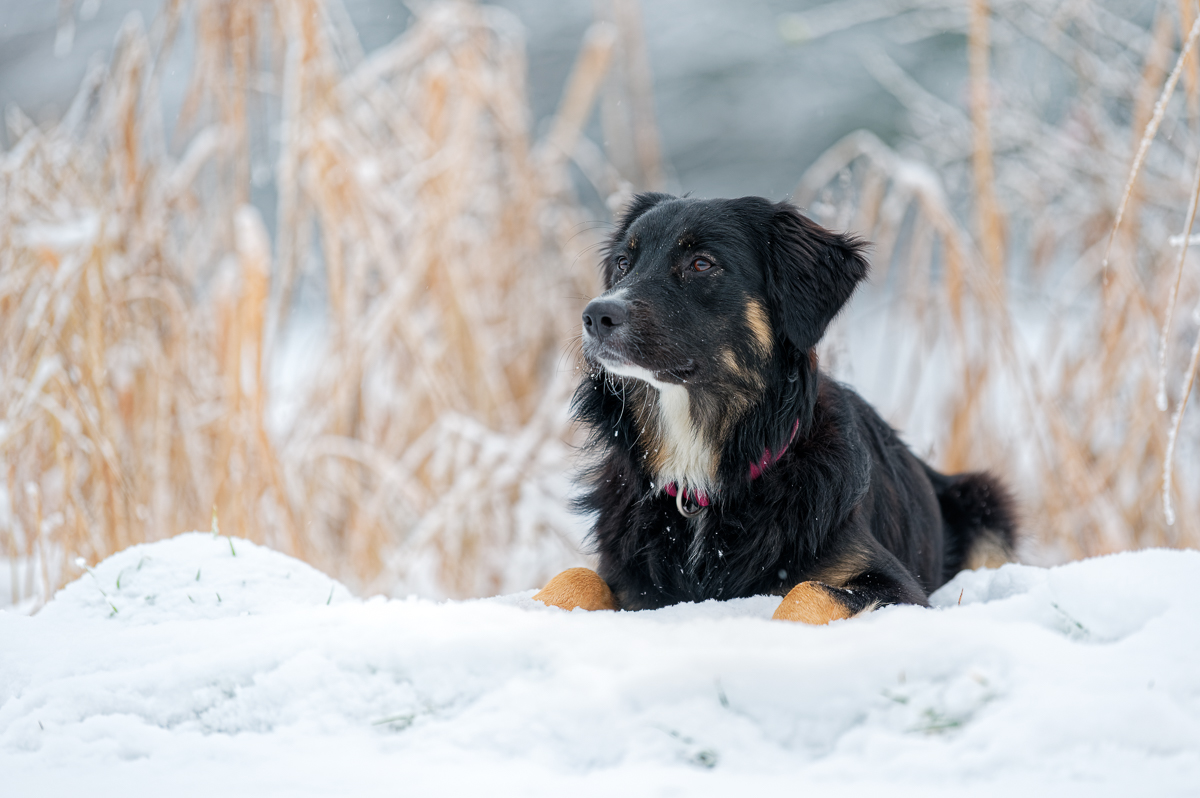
<point>688,507</point>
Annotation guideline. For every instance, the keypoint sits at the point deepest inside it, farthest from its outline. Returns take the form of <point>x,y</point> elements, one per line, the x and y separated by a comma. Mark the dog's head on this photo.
<point>699,289</point>
<point>711,302</point>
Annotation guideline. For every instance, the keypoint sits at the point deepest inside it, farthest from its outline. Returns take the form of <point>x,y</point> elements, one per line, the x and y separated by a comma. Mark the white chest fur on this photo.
<point>684,457</point>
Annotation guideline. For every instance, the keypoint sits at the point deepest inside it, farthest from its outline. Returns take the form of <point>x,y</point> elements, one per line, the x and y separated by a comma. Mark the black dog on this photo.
<point>729,465</point>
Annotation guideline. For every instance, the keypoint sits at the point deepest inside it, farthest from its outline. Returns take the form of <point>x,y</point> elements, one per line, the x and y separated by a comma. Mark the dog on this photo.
<point>727,464</point>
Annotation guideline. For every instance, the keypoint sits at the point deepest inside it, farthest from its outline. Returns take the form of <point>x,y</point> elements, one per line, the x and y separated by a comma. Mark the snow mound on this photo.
<point>1103,599</point>
<point>1078,680</point>
<point>195,575</point>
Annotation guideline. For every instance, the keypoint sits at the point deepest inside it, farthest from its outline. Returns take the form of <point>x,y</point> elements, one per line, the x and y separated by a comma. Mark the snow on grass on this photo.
<point>205,665</point>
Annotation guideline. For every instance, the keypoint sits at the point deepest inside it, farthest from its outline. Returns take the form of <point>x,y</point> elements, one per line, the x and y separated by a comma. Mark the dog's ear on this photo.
<point>811,274</point>
<point>636,207</point>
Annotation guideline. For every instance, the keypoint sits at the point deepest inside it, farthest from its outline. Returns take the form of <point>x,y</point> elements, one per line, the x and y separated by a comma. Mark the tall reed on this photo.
<point>1050,324</point>
<point>161,359</point>
<point>145,302</point>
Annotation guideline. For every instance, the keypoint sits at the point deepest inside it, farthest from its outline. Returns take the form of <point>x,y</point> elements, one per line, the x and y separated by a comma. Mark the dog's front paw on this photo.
<point>813,602</point>
<point>577,587</point>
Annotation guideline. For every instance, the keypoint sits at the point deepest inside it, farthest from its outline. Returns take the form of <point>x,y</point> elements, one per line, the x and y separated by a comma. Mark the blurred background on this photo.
<point>310,272</point>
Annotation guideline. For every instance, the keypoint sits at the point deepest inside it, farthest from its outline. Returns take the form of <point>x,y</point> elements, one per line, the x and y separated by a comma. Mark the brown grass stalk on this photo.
<point>1090,462</point>
<point>987,209</point>
<point>162,353</point>
<point>143,311</point>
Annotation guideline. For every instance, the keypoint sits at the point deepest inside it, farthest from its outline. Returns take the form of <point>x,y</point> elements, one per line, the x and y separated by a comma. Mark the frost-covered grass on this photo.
<point>216,666</point>
<point>153,294</point>
<point>334,295</point>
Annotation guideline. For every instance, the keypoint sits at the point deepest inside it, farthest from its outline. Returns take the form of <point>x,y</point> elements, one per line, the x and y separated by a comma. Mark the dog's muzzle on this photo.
<point>602,318</point>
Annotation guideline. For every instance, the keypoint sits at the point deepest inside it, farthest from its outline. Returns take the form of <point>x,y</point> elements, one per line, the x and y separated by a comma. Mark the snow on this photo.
<point>216,666</point>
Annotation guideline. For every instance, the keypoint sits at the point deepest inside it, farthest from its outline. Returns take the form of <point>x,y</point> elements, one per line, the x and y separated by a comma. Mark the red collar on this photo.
<point>769,459</point>
<point>757,469</point>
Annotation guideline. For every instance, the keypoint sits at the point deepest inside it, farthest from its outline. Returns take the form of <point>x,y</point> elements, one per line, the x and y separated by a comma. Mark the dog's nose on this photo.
<point>603,316</point>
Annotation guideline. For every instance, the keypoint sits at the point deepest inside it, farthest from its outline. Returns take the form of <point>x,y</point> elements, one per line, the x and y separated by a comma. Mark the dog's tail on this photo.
<point>979,518</point>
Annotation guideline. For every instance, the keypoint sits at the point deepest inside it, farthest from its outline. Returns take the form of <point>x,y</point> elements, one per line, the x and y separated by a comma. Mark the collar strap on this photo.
<point>768,458</point>
<point>692,504</point>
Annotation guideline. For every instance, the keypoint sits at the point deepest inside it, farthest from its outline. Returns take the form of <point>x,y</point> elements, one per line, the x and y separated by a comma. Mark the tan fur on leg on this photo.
<point>577,587</point>
<point>810,602</point>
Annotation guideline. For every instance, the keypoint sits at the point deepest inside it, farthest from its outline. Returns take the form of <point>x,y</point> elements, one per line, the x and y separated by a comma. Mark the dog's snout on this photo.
<point>602,317</point>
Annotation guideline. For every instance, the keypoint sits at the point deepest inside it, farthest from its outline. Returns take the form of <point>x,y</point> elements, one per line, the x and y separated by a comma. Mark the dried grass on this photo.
<point>141,305</point>
<point>1053,367</point>
<point>145,303</point>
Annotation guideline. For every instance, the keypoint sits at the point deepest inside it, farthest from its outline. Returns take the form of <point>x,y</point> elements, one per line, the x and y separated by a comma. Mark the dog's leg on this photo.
<point>577,587</point>
<point>818,603</point>
<point>854,577</point>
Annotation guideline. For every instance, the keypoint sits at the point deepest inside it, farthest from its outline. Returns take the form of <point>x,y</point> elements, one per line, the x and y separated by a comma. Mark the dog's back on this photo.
<point>979,527</point>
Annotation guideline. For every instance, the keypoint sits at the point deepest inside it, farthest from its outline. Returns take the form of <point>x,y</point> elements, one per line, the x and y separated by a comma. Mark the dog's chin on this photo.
<point>621,366</point>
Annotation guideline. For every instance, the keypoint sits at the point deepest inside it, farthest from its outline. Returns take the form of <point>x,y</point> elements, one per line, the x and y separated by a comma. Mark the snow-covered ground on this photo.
<point>208,666</point>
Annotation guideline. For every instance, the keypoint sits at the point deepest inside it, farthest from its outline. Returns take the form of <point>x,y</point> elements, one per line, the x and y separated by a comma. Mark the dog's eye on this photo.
<point>701,264</point>
<point>623,263</point>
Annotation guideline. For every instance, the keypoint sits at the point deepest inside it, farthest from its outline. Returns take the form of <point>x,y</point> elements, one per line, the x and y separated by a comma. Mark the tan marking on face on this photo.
<point>748,381</point>
<point>730,361</point>
<point>633,242</point>
<point>812,603</point>
<point>577,587</point>
<point>760,326</point>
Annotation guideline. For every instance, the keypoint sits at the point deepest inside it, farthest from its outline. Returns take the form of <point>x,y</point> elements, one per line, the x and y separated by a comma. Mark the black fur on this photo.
<point>847,504</point>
